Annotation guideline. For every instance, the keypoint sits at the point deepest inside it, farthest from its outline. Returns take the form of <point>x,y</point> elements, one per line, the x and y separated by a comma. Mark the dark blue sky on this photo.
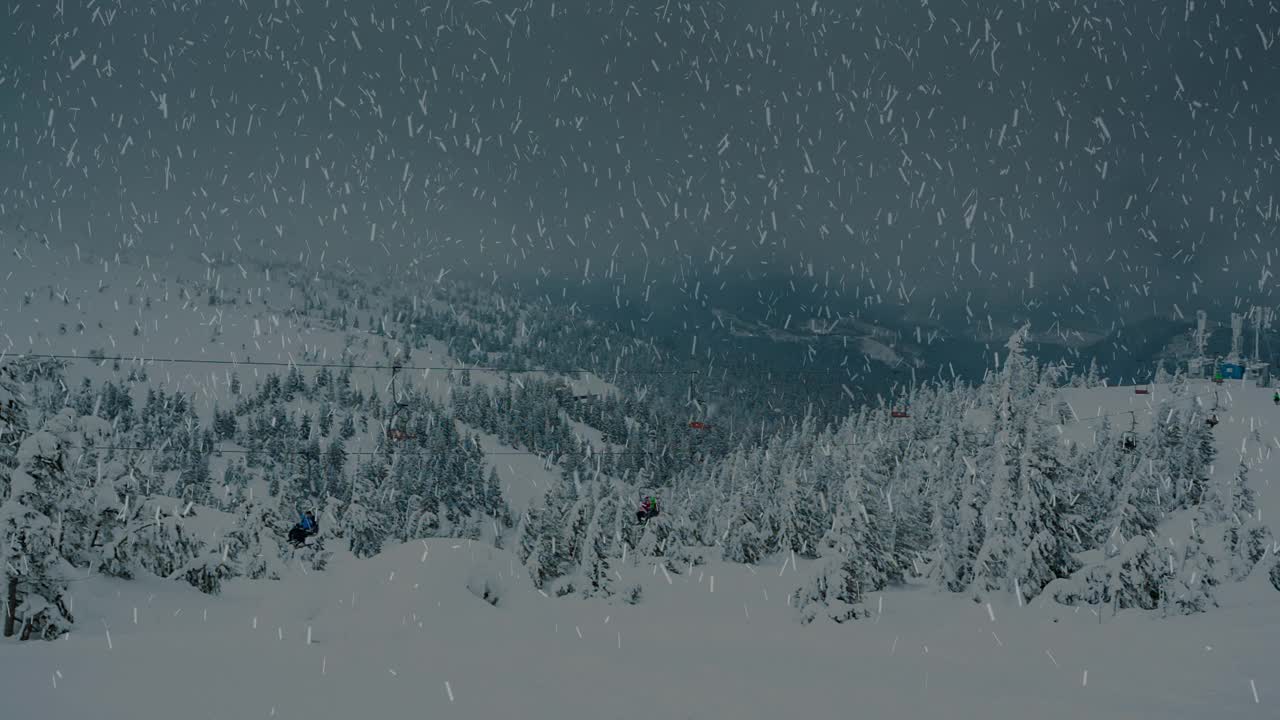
<point>1086,160</point>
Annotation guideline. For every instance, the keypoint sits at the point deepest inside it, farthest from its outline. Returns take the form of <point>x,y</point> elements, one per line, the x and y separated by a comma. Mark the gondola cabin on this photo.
<point>1141,391</point>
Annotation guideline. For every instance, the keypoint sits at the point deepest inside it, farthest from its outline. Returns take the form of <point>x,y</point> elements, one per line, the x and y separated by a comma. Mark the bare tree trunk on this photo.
<point>11,607</point>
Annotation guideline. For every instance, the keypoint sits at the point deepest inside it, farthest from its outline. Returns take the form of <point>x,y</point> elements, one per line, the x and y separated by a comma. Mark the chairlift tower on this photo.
<point>1259,369</point>
<point>1199,365</point>
<point>1237,337</point>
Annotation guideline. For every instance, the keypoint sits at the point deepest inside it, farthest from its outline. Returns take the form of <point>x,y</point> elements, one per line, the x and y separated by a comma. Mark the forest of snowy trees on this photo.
<point>970,491</point>
<point>973,493</point>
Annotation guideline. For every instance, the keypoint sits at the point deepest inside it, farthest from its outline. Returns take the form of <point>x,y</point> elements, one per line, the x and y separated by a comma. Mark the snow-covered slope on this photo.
<point>1249,428</point>
<point>156,314</point>
<point>449,628</point>
<point>409,633</point>
<point>402,635</point>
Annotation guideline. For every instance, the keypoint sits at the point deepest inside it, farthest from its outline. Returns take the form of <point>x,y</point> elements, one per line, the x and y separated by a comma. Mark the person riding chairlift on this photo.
<point>648,510</point>
<point>1213,420</point>
<point>306,527</point>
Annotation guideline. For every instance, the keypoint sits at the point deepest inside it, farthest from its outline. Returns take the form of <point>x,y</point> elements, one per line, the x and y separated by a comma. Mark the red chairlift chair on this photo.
<point>399,435</point>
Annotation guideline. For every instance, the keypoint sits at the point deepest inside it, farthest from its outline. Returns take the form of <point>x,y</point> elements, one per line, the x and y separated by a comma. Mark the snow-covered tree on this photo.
<point>1135,576</point>
<point>207,570</point>
<point>254,547</point>
<point>1028,533</point>
<point>1188,587</point>
<point>841,579</point>
<point>34,572</point>
<point>1246,537</point>
<point>744,540</point>
<point>546,547</point>
<point>364,523</point>
<point>601,540</point>
<point>13,423</point>
<point>803,517</point>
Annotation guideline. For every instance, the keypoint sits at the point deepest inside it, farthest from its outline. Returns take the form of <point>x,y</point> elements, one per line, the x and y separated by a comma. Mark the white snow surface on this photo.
<point>407,634</point>
<point>389,633</point>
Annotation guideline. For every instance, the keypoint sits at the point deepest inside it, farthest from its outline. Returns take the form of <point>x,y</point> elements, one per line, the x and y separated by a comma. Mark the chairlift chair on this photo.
<point>648,505</point>
<point>397,434</point>
<point>1129,441</point>
<point>899,414</point>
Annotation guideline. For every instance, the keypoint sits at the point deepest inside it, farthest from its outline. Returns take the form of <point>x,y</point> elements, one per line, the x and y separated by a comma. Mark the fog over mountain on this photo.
<point>963,164</point>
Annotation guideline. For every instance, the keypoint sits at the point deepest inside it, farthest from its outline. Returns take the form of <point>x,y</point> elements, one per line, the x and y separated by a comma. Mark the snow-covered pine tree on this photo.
<point>1188,587</point>
<point>325,418</point>
<point>1134,577</point>
<point>1246,538</point>
<point>1028,532</point>
<point>364,523</point>
<point>495,506</point>
<point>207,570</point>
<point>961,530</point>
<point>743,541</point>
<point>600,542</point>
<point>803,518</point>
<point>840,579</point>
<point>578,521</point>
<point>254,547</point>
<point>13,424</point>
<point>529,544</point>
<point>543,544</point>
<point>404,496</point>
<point>195,483</point>
<point>1093,378</point>
<point>1044,521</point>
<point>33,571</point>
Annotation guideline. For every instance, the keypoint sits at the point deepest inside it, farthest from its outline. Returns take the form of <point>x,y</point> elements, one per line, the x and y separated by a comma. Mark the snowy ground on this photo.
<point>402,635</point>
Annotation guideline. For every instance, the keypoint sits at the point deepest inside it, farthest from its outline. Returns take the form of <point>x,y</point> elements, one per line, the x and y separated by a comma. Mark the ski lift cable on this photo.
<point>390,451</point>
<point>759,370</point>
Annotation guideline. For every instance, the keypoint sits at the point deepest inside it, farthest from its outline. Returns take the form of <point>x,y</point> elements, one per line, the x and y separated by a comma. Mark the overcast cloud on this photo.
<point>1087,159</point>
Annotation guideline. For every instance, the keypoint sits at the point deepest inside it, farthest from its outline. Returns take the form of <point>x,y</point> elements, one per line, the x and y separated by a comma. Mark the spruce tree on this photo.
<point>600,543</point>
<point>1189,587</point>
<point>1246,537</point>
<point>32,569</point>
<point>842,576</point>
<point>364,522</point>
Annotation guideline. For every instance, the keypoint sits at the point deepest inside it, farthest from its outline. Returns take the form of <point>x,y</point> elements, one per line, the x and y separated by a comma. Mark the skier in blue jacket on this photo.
<point>306,527</point>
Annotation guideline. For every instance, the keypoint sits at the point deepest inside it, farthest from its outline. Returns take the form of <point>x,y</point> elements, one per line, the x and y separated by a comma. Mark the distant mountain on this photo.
<point>1135,350</point>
